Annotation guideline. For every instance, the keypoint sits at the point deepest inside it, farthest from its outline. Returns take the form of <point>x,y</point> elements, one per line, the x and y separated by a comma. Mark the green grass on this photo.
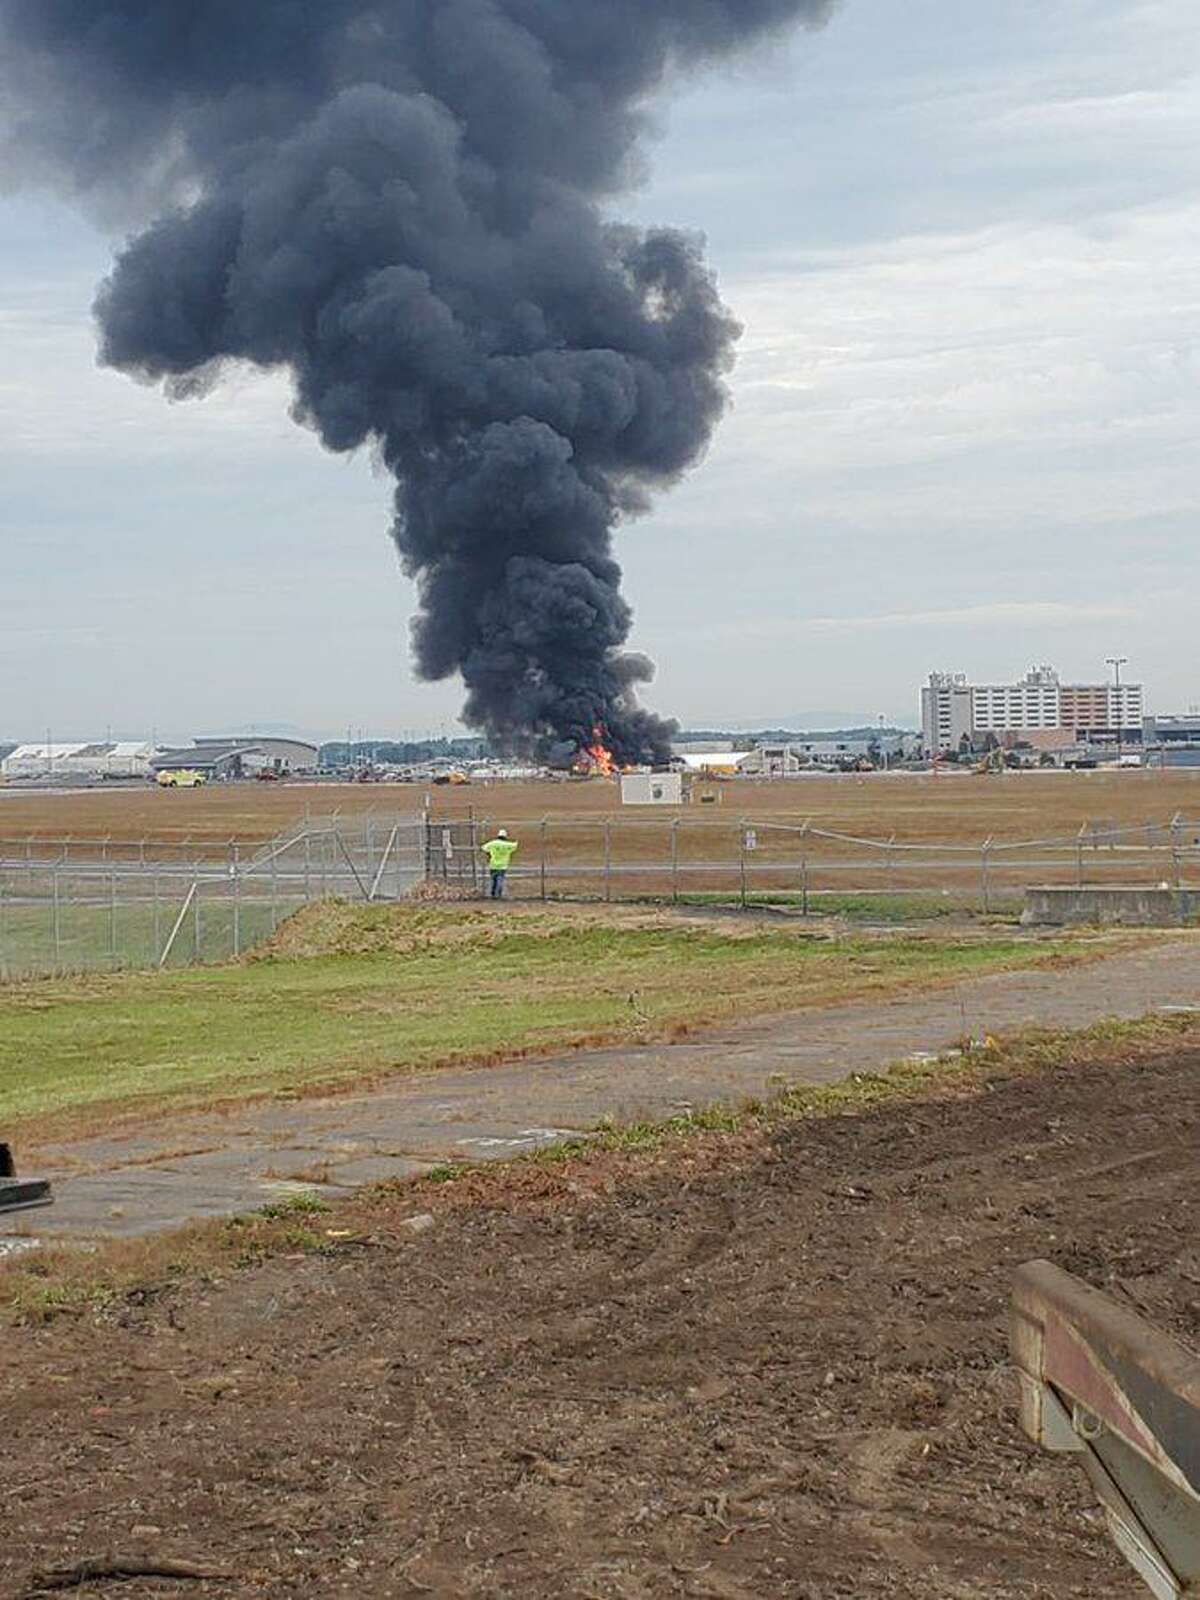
<point>305,1204</point>
<point>287,1025</point>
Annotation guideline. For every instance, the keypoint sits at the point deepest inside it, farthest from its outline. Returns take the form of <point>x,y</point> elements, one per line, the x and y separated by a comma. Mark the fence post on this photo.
<point>398,868</point>
<point>112,917</point>
<point>197,934</point>
<point>742,858</point>
<point>157,927</point>
<point>349,860</point>
<point>1079,855</point>
<point>57,924</point>
<point>377,880</point>
<point>545,834</point>
<point>179,921</point>
<point>235,868</point>
<point>307,862</point>
<point>3,964</point>
<point>1176,860</point>
<point>608,858</point>
<point>985,874</point>
<point>675,861</point>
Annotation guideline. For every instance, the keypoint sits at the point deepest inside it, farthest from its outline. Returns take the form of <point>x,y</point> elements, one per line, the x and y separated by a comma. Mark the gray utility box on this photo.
<point>16,1193</point>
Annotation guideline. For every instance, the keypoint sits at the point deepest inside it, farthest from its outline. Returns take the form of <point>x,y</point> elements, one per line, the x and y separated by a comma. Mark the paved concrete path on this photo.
<point>217,1164</point>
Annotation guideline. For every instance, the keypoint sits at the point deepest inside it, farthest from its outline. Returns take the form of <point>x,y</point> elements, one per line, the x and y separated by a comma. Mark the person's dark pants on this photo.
<point>498,885</point>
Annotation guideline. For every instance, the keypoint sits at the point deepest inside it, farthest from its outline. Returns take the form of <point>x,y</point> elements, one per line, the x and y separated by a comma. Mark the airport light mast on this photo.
<point>1116,663</point>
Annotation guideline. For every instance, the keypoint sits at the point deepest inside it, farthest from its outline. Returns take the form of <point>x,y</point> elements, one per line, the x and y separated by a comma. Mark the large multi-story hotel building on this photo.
<point>1040,704</point>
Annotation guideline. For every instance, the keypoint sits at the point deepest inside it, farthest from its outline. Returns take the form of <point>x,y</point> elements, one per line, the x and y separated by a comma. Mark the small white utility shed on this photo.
<point>652,789</point>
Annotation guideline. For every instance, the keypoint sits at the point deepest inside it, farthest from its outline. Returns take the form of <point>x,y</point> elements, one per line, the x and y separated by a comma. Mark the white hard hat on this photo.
<point>502,833</point>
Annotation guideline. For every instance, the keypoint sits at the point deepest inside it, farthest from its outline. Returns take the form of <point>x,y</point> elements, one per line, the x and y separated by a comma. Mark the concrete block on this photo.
<point>1110,906</point>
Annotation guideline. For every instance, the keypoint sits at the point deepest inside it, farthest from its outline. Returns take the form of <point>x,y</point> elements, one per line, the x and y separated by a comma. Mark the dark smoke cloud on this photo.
<point>400,202</point>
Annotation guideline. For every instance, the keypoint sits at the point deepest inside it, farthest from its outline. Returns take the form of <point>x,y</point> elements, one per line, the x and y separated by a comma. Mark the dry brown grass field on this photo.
<point>937,826</point>
<point>916,808</point>
<point>246,812</point>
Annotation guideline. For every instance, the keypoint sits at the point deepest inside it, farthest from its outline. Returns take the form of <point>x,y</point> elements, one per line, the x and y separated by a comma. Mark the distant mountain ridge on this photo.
<point>812,722</point>
<point>750,735</point>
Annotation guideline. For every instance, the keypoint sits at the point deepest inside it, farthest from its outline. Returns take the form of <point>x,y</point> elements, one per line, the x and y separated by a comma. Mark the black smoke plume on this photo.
<point>402,202</point>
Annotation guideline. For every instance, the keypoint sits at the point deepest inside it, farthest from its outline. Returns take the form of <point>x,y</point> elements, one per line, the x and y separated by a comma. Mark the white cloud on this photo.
<point>988,385</point>
<point>1136,111</point>
<point>1049,615</point>
<point>1038,613</point>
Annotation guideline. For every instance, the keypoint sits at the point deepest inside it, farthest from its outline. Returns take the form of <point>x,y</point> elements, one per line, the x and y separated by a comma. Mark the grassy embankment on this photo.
<point>37,941</point>
<point>350,994</point>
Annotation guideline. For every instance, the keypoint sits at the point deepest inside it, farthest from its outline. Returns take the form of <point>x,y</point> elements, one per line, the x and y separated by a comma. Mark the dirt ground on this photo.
<point>913,807</point>
<point>743,1367</point>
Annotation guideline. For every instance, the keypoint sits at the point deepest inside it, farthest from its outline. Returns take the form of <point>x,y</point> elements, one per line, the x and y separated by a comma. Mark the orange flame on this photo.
<point>597,757</point>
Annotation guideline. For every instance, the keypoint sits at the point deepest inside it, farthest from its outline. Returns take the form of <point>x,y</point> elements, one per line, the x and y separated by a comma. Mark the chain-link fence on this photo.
<point>85,905</point>
<point>747,859</point>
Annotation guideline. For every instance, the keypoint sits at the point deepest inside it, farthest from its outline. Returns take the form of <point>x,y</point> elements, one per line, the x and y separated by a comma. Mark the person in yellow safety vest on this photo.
<point>499,852</point>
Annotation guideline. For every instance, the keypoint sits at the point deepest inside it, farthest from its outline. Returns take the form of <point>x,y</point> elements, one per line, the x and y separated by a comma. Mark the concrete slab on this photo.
<point>1109,906</point>
<point>140,1200</point>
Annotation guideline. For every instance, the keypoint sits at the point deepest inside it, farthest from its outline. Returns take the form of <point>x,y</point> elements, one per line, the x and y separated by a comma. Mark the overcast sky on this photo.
<point>963,240</point>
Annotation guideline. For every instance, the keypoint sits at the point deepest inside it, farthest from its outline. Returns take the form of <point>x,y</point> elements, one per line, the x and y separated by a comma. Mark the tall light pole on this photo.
<point>1116,663</point>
